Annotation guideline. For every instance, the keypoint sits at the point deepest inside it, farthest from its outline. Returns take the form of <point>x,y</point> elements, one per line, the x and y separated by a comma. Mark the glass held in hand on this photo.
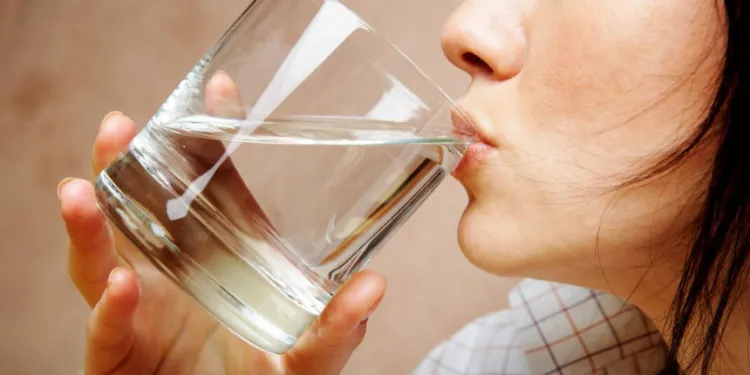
<point>280,164</point>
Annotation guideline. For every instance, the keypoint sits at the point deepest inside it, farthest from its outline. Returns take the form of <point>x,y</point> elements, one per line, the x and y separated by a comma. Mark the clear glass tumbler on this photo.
<point>280,164</point>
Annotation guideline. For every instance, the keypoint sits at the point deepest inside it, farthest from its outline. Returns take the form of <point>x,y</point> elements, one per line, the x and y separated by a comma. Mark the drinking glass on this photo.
<point>274,171</point>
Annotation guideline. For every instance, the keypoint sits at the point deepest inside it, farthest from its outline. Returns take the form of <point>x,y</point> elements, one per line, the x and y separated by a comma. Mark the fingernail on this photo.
<point>372,310</point>
<point>61,185</point>
<point>109,116</point>
<point>111,277</point>
<point>222,74</point>
<point>139,288</point>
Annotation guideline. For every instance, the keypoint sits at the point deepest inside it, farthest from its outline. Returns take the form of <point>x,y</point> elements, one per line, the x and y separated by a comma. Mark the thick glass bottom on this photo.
<point>204,264</point>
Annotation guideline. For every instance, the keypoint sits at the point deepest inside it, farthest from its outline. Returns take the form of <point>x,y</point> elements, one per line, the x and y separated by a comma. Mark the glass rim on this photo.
<point>365,25</point>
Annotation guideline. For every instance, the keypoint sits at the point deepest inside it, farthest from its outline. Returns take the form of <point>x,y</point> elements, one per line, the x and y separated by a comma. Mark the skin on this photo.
<point>571,98</point>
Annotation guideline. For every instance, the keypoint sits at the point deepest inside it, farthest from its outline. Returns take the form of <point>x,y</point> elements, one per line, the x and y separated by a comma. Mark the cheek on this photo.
<point>594,115</point>
<point>605,65</point>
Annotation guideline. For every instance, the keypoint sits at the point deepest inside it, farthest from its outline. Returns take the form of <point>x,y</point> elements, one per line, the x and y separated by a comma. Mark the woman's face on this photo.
<point>576,97</point>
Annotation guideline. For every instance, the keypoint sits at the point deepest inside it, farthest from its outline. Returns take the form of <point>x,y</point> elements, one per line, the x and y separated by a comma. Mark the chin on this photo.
<point>497,237</point>
<point>489,241</point>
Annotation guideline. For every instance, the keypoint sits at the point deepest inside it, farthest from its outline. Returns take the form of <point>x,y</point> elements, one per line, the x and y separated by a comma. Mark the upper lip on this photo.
<point>465,124</point>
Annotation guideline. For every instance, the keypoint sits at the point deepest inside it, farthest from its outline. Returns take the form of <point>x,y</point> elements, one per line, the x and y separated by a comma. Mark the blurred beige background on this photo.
<point>65,64</point>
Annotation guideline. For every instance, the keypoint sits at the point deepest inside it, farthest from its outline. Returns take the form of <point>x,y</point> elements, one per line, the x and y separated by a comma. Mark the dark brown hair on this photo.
<point>716,268</point>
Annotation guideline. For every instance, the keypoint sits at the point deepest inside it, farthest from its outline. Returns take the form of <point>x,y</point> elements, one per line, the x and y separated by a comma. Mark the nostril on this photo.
<point>476,62</point>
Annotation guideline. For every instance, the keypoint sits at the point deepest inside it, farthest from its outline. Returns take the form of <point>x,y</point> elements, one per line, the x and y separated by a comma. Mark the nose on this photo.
<point>486,38</point>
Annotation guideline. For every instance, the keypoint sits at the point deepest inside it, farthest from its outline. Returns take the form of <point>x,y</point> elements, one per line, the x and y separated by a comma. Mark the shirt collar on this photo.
<point>564,329</point>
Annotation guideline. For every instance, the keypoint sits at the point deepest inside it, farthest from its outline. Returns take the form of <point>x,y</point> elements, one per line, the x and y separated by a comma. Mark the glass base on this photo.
<point>224,285</point>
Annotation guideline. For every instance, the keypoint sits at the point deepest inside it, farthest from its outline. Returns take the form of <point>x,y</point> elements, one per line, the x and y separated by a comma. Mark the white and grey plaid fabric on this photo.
<point>553,329</point>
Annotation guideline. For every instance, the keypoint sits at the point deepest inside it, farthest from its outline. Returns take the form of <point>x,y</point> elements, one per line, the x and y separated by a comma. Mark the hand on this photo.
<point>142,323</point>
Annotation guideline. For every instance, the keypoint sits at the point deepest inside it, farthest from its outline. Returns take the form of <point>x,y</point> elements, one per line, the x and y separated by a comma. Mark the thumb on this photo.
<point>109,335</point>
<point>326,347</point>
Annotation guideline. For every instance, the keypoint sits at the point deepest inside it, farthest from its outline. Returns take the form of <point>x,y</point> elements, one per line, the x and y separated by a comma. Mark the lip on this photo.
<point>481,148</point>
<point>465,125</point>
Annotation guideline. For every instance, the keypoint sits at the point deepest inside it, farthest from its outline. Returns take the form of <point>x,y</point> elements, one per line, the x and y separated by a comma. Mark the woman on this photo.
<point>613,160</point>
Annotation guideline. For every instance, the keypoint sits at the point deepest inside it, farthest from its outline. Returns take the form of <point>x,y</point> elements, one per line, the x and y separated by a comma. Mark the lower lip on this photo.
<point>475,154</point>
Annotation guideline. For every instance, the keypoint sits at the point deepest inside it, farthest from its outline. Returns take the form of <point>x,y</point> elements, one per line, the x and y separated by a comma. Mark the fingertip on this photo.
<point>223,96</point>
<point>123,292</point>
<point>78,202</point>
<point>377,281</point>
<point>353,304</point>
<point>117,129</point>
<point>375,285</point>
<point>367,286</point>
<point>340,328</point>
<point>221,82</point>
<point>115,133</point>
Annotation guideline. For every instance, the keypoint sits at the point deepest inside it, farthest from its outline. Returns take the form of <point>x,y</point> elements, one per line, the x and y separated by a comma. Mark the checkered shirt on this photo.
<point>553,329</point>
